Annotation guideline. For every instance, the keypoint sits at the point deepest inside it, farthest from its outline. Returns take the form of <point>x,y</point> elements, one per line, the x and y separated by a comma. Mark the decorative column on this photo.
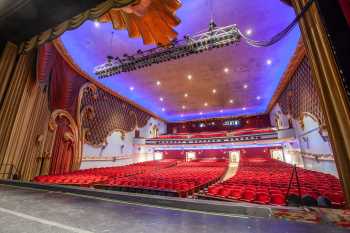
<point>81,113</point>
<point>330,88</point>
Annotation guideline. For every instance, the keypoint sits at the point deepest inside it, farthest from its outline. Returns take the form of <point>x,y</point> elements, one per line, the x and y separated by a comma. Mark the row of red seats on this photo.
<point>266,181</point>
<point>205,163</point>
<point>92,176</point>
<point>183,179</point>
<point>251,131</point>
<point>248,194</point>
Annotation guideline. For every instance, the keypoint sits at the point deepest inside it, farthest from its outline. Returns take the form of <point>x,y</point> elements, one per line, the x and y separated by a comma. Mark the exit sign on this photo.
<point>234,123</point>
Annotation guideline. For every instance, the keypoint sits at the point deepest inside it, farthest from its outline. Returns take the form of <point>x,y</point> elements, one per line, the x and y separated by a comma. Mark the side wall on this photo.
<point>261,121</point>
<point>121,149</point>
<point>299,107</point>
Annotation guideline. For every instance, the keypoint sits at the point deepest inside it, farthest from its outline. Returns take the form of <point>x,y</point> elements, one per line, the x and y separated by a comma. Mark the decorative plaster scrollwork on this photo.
<point>87,111</point>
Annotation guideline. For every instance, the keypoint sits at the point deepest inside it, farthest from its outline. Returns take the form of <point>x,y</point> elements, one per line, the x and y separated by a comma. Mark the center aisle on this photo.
<point>231,171</point>
<point>32,211</point>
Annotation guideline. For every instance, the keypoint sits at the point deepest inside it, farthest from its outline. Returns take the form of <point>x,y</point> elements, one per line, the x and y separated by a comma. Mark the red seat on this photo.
<point>248,196</point>
<point>262,198</point>
<point>235,194</point>
<point>224,192</point>
<point>337,199</point>
<point>277,199</point>
<point>214,190</point>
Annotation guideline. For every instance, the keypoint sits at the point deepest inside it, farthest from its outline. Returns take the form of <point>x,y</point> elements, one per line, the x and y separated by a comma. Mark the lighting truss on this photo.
<point>215,37</point>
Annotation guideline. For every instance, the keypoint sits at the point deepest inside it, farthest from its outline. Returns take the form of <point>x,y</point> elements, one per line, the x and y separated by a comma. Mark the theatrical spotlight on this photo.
<point>214,38</point>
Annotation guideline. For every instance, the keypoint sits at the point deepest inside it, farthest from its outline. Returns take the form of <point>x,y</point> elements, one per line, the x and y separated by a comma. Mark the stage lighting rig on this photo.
<point>215,37</point>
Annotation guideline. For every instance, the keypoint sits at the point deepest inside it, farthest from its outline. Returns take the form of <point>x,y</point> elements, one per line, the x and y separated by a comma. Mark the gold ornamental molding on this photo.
<point>81,113</point>
<point>312,116</point>
<point>327,76</point>
<point>104,142</point>
<point>73,23</point>
<point>293,65</point>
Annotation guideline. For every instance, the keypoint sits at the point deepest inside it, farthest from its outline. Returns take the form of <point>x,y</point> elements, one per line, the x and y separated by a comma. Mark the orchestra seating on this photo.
<point>257,180</point>
<point>92,176</point>
<point>182,180</point>
<point>266,181</point>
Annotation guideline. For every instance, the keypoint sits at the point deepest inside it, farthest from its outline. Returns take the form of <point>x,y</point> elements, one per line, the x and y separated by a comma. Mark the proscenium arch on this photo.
<point>328,79</point>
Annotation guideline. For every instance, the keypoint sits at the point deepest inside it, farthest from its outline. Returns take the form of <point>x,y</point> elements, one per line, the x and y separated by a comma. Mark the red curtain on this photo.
<point>63,150</point>
<point>62,81</point>
<point>345,5</point>
<point>63,85</point>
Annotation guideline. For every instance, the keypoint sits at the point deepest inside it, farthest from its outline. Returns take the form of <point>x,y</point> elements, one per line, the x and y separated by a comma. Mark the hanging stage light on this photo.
<point>214,38</point>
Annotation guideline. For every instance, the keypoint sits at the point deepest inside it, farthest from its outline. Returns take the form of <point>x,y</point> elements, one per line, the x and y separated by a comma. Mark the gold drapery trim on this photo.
<point>73,23</point>
<point>7,63</point>
<point>331,91</point>
<point>21,119</point>
<point>153,20</point>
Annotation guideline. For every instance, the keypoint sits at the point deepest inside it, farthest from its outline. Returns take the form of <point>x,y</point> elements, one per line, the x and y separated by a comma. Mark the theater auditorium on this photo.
<point>171,116</point>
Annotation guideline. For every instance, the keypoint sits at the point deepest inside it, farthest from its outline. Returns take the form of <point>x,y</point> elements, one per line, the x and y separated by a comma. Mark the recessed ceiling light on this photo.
<point>183,107</point>
<point>221,111</point>
<point>226,70</point>
<point>185,95</point>
<point>205,104</point>
<point>258,97</point>
<point>200,113</point>
<point>248,32</point>
<point>131,88</point>
<point>97,24</point>
<point>231,101</point>
<point>189,77</point>
<point>269,61</point>
<point>161,99</point>
<point>158,83</point>
<point>245,86</point>
<point>244,108</point>
<point>163,109</point>
<point>214,91</point>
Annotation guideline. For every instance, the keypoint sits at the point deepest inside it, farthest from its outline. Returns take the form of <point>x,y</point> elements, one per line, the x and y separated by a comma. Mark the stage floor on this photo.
<point>36,211</point>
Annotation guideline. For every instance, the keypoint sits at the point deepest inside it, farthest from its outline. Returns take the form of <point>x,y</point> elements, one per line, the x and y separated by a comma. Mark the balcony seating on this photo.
<point>216,134</point>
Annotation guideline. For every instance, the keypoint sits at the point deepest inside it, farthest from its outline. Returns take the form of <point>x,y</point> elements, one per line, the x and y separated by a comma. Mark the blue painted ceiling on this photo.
<point>245,89</point>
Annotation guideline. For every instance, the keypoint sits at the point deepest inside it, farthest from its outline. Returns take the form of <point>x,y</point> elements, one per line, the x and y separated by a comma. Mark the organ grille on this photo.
<point>110,114</point>
<point>301,94</point>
